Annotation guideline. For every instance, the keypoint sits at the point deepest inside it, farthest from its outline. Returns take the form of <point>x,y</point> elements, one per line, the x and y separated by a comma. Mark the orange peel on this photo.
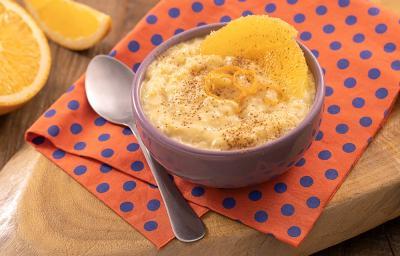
<point>219,84</point>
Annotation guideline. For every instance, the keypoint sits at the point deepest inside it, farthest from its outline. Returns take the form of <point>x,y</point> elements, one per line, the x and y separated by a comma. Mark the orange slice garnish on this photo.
<point>268,41</point>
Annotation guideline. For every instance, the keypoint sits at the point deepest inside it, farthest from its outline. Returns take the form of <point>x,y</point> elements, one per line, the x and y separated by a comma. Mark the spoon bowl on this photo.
<point>110,100</point>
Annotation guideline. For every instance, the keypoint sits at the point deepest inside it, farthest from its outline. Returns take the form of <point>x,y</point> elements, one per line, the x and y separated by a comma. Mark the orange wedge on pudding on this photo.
<point>269,41</point>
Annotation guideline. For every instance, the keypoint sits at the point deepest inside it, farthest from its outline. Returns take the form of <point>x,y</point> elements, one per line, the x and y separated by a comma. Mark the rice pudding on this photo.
<point>177,98</point>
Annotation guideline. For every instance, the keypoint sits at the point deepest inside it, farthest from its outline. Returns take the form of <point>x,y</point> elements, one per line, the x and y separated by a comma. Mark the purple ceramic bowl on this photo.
<point>227,169</point>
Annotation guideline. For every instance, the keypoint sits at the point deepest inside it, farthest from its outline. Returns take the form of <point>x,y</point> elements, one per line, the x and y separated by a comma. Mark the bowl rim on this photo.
<point>162,138</point>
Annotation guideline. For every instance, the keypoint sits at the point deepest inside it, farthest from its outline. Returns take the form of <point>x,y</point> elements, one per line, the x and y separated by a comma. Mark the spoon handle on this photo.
<point>186,225</point>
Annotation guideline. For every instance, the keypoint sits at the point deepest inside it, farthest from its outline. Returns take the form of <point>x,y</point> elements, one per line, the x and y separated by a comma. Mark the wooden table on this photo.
<point>115,237</point>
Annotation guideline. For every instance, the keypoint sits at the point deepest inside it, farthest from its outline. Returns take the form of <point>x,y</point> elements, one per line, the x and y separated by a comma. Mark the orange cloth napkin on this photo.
<point>356,43</point>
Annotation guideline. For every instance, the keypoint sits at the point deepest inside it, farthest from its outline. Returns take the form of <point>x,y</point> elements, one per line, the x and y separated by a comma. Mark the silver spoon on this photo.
<point>108,89</point>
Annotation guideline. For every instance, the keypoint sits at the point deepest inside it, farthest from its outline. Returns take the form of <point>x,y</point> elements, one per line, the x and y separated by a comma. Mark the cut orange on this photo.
<point>68,23</point>
<point>24,57</point>
<point>269,41</point>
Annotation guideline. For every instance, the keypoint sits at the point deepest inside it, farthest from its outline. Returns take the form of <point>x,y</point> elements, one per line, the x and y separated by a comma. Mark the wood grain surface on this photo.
<point>53,215</point>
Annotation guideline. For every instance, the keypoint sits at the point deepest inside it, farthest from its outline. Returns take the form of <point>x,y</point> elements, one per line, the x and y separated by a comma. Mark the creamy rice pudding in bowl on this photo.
<point>228,117</point>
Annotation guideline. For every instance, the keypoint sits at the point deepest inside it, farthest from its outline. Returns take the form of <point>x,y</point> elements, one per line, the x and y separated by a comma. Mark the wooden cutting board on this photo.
<point>44,212</point>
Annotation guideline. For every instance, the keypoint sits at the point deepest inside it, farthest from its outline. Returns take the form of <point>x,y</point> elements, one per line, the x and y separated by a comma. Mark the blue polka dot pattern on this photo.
<point>174,12</point>
<point>380,28</point>
<point>156,39</point>
<point>246,13</point>
<point>255,195</point>
<point>126,131</point>
<point>350,82</point>
<point>197,7</point>
<point>107,153</point>
<point>365,121</point>
<point>126,206</point>
<point>270,8</point>
<point>365,54</point>
<point>80,145</point>
<point>358,102</point>
<point>280,187</point>
<point>373,11</point>
<point>351,20</point>
<point>389,47</point>
<point>135,67</point>
<point>76,128</point>
<point>80,170</point>
<point>331,174</point>
<point>58,154</point>
<point>261,216</point>
<point>73,105</point>
<point>104,137</point>
<point>132,147</point>
<point>105,168</point>
<point>137,166</point>
<point>50,113</point>
<point>225,18</point>
<point>335,45</point>
<point>328,91</point>
<point>306,181</point>
<point>178,31</point>
<point>53,130</point>
<point>395,65</point>
<point>103,187</point>
<point>219,2</point>
<point>333,109</point>
<point>100,121</point>
<point>358,38</point>
<point>301,162</point>
<point>315,53</point>
<point>287,210</point>
<point>151,19</point>
<point>150,225</point>
<point>294,231</point>
<point>349,147</point>
<point>198,191</point>
<point>321,10</point>
<point>291,1</point>
<point>305,36</point>
<point>319,136</point>
<point>229,203</point>
<point>313,202</point>
<point>113,53</point>
<point>342,128</point>
<point>374,73</point>
<point>153,205</point>
<point>381,93</point>
<point>324,155</point>
<point>129,185</point>
<point>133,46</point>
<point>290,164</point>
<point>343,63</point>
<point>344,3</point>
<point>329,28</point>
<point>299,18</point>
